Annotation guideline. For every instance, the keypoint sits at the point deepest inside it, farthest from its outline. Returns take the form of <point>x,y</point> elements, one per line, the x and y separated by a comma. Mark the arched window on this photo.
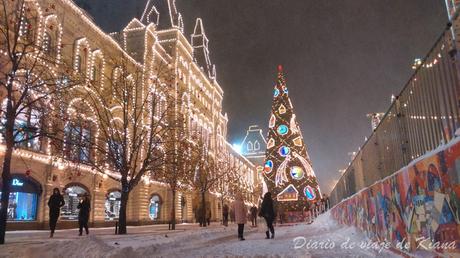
<point>23,199</point>
<point>26,127</point>
<point>82,53</point>
<point>112,205</point>
<point>154,207</point>
<point>72,196</point>
<point>249,146</point>
<point>256,145</point>
<point>98,67</point>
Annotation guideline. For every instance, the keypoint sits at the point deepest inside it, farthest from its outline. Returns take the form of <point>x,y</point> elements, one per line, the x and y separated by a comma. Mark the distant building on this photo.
<point>254,145</point>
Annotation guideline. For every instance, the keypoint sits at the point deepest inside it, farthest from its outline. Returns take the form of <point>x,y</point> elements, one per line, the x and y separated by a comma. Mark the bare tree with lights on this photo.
<point>133,124</point>
<point>227,184</point>
<point>33,79</point>
<point>208,172</point>
<point>180,165</point>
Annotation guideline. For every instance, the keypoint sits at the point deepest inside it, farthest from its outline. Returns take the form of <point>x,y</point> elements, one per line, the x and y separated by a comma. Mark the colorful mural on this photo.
<point>418,207</point>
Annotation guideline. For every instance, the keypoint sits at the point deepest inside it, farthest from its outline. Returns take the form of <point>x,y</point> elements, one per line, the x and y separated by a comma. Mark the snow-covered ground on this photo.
<point>301,240</point>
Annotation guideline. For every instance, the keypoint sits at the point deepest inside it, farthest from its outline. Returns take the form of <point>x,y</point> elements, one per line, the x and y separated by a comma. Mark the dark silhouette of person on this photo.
<point>55,203</point>
<point>225,215</point>
<point>83,214</point>
<point>253,211</point>
<point>267,211</point>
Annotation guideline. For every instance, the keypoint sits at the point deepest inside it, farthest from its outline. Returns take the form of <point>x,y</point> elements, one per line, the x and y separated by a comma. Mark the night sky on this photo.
<point>343,59</point>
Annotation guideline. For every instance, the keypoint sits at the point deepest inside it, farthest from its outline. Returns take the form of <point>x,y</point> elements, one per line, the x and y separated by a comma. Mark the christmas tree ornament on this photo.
<point>268,166</point>
<point>282,109</point>
<point>284,151</point>
<point>297,173</point>
<point>270,143</point>
<point>282,130</point>
<point>272,121</point>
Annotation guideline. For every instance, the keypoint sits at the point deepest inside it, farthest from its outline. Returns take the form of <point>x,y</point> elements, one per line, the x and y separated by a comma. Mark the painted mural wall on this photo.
<point>416,208</point>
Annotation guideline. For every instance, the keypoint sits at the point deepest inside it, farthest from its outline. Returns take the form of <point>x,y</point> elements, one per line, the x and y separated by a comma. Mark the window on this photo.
<point>256,145</point>
<point>97,71</point>
<point>115,149</point>
<point>78,141</point>
<point>26,128</point>
<point>249,146</point>
<point>112,205</point>
<point>72,197</point>
<point>154,207</point>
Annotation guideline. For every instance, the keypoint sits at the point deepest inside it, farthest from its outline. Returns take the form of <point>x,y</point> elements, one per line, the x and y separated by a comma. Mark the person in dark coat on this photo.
<point>281,214</point>
<point>208,215</point>
<point>55,203</point>
<point>254,216</point>
<point>199,216</point>
<point>267,211</point>
<point>225,215</point>
<point>83,214</point>
<point>232,215</point>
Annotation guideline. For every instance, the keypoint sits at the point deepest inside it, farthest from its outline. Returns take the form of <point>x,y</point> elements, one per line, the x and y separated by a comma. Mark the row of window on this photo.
<point>253,147</point>
<point>23,204</point>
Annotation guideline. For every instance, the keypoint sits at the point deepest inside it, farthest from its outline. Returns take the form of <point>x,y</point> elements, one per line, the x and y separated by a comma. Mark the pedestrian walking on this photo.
<point>281,214</point>
<point>55,203</point>
<point>254,216</point>
<point>83,214</point>
<point>240,214</point>
<point>208,215</point>
<point>267,211</point>
<point>232,215</point>
<point>225,215</point>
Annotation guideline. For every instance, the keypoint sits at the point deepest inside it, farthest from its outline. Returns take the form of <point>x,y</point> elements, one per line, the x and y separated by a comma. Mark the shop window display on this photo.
<point>72,196</point>
<point>154,207</point>
<point>23,200</point>
<point>112,205</point>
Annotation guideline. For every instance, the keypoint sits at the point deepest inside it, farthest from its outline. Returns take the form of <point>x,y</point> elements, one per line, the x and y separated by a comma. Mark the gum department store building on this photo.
<point>157,36</point>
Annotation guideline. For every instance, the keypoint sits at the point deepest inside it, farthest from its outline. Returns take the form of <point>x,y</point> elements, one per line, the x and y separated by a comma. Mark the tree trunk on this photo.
<point>222,209</point>
<point>203,212</point>
<point>122,214</point>
<point>6,173</point>
<point>173,211</point>
<point>6,184</point>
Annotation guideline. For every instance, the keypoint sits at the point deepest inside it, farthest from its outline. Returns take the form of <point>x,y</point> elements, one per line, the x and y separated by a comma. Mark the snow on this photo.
<point>193,241</point>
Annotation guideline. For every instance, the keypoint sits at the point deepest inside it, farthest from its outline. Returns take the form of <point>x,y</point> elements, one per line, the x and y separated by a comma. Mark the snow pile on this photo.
<point>301,240</point>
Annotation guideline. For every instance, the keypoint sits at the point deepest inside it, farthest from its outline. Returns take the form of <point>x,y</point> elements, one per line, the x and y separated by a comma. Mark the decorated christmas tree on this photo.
<point>288,171</point>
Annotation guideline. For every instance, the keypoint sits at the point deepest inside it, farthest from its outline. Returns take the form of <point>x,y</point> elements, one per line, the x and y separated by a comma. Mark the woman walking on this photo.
<point>225,215</point>
<point>267,211</point>
<point>240,214</point>
<point>55,203</point>
<point>83,214</point>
